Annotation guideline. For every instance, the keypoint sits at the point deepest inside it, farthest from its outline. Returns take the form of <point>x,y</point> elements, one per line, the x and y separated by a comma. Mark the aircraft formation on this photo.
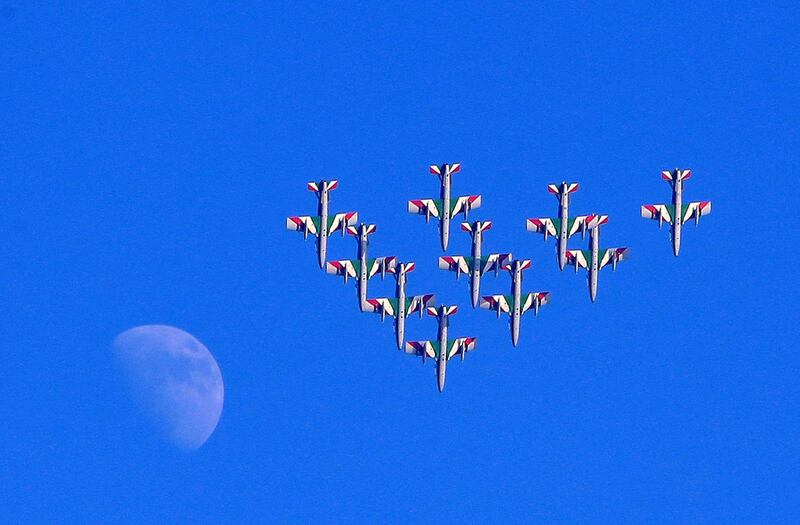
<point>477,265</point>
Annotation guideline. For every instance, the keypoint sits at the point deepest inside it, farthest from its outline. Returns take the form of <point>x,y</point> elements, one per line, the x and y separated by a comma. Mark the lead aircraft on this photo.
<point>517,303</point>
<point>595,258</point>
<point>478,264</point>
<point>322,225</point>
<point>685,212</point>
<point>362,268</point>
<point>444,208</point>
<point>562,228</point>
<point>400,306</point>
<point>443,349</point>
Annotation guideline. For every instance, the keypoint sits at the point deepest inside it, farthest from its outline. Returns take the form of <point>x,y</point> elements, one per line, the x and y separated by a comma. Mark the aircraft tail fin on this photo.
<point>477,226</point>
<point>558,189</point>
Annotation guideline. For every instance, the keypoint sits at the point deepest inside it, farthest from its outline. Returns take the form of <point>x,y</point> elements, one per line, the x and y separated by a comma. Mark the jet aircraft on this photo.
<point>444,208</point>
<point>517,303</point>
<point>322,225</point>
<point>685,212</point>
<point>478,264</point>
<point>595,259</point>
<point>562,228</point>
<point>443,349</point>
<point>400,306</point>
<point>362,268</point>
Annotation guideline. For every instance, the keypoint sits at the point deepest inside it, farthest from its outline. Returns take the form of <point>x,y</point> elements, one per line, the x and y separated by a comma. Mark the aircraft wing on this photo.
<point>693,209</point>
<point>305,224</point>
<point>581,223</point>
<point>427,207</point>
<point>419,303</point>
<point>494,261</point>
<point>341,221</point>
<point>534,300</point>
<point>658,212</point>
<point>546,226</point>
<point>345,268</point>
<point>465,204</point>
<point>456,263</point>
<point>382,305</point>
<point>610,255</point>
<point>423,348</point>
<point>497,302</point>
<point>461,345</point>
<point>380,264</point>
<point>579,257</point>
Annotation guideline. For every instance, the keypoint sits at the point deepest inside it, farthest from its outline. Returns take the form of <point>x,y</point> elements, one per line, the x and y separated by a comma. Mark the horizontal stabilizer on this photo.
<point>556,189</point>
<point>446,169</point>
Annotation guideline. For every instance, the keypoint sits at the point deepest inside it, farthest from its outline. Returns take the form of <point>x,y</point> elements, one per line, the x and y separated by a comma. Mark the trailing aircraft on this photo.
<point>443,349</point>
<point>322,225</point>
<point>444,208</point>
<point>478,264</point>
<point>400,306</point>
<point>562,228</point>
<point>517,303</point>
<point>362,268</point>
<point>685,212</point>
<point>595,259</point>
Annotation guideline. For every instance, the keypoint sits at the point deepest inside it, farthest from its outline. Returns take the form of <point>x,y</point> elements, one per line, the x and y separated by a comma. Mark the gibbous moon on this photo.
<point>175,380</point>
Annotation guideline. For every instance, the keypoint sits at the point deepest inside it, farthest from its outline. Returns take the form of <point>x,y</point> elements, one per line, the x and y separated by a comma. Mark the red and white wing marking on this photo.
<point>347,219</point>
<point>695,208</point>
<point>466,204</point>
<point>331,185</point>
<point>493,302</point>
<point>461,345</point>
<point>419,302</point>
<point>341,268</point>
<point>423,207</point>
<point>420,348</point>
<point>524,264</point>
<point>379,305</point>
<point>543,225</point>
<point>454,263</point>
<point>313,186</point>
<point>620,254</point>
<point>576,256</point>
<point>656,212</point>
<point>530,300</point>
<point>303,223</point>
<point>382,264</point>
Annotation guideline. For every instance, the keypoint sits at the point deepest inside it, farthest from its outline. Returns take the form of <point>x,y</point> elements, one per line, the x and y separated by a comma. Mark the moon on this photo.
<point>175,381</point>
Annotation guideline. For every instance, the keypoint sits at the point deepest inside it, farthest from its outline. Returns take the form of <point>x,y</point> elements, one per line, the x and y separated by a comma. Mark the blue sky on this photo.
<point>150,154</point>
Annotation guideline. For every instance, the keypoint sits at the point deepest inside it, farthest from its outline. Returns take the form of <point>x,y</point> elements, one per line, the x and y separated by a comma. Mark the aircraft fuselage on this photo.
<point>444,220</point>
<point>322,212</point>
<point>563,236</point>
<point>677,220</point>
<point>475,283</point>
<point>441,362</point>
<point>400,319</point>
<point>594,264</point>
<point>363,242</point>
<point>516,311</point>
